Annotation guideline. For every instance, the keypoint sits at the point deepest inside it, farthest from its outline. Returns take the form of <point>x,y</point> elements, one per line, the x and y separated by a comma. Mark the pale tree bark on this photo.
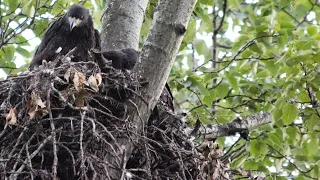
<point>121,29</point>
<point>160,49</point>
<point>121,22</point>
<point>157,57</point>
<point>238,125</point>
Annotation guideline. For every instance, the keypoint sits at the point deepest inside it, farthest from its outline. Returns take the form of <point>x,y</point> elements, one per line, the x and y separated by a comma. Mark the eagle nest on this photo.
<point>64,122</point>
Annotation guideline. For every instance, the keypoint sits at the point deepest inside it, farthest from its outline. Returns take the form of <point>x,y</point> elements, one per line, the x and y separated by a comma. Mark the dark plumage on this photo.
<point>126,59</point>
<point>122,59</point>
<point>167,97</point>
<point>74,29</point>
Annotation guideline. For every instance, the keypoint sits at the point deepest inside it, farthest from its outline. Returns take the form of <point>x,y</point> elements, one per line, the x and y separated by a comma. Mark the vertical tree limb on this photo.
<point>157,57</point>
<point>161,46</point>
<point>121,22</point>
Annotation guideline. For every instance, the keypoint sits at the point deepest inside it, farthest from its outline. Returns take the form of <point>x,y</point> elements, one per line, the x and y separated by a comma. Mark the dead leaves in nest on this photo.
<point>79,98</point>
<point>79,80</point>
<point>95,81</point>
<point>11,117</point>
<point>212,165</point>
<point>36,107</point>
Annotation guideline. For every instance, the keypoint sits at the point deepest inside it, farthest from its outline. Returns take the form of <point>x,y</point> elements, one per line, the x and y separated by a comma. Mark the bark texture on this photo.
<point>157,57</point>
<point>121,22</point>
<point>237,125</point>
<point>160,49</point>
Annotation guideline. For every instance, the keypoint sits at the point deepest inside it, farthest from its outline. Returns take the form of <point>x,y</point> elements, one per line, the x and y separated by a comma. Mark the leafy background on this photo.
<point>238,57</point>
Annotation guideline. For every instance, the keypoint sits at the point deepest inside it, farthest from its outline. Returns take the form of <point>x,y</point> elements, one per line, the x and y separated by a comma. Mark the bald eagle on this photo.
<point>74,29</point>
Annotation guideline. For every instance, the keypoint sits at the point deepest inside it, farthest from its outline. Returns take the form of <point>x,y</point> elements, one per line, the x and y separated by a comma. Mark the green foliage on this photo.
<point>268,60</point>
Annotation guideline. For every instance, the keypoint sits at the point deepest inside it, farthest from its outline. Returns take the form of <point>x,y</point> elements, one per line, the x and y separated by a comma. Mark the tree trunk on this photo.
<point>121,22</point>
<point>121,29</point>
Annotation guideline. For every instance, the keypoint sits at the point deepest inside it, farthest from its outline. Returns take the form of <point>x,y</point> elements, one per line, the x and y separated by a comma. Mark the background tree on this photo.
<point>237,58</point>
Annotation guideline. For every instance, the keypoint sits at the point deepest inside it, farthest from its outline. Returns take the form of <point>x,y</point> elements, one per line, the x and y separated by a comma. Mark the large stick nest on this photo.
<point>65,121</point>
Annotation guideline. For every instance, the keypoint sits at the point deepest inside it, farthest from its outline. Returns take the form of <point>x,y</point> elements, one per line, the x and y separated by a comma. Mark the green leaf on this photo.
<point>207,2</point>
<point>287,25</point>
<point>261,28</point>
<point>296,60</point>
<point>210,98</point>
<point>233,82</point>
<point>315,169</point>
<point>303,96</point>
<point>255,67</point>
<point>22,41</point>
<point>89,5</point>
<point>243,39</point>
<point>284,3</point>
<point>263,74</point>
<point>201,46</point>
<point>303,45</point>
<point>258,148</point>
<point>23,52</point>
<point>283,39</point>
<point>276,114</point>
<point>289,113</point>
<point>312,121</point>
<point>301,177</point>
<point>246,53</point>
<point>224,115</point>
<point>203,90</point>
<point>13,4</point>
<point>312,30</point>
<point>251,164</point>
<point>222,90</point>
<point>292,132</point>
<point>28,10</point>
<point>271,67</point>
<point>311,148</point>
<point>301,10</point>
<point>276,139</point>
<point>8,53</point>
<point>254,47</point>
<point>191,31</point>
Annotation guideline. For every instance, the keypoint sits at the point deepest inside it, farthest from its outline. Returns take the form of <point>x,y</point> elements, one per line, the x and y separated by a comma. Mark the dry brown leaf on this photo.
<point>32,113</point>
<point>40,103</point>
<point>79,102</point>
<point>78,80</point>
<point>36,106</point>
<point>93,83</point>
<point>11,117</point>
<point>98,78</point>
<point>80,98</point>
<point>67,75</point>
<point>83,93</point>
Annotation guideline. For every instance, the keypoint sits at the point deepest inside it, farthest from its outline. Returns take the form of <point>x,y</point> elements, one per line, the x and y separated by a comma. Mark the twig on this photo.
<point>54,141</point>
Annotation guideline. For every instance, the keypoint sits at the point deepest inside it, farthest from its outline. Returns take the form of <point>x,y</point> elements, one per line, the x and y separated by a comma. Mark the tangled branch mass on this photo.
<point>66,121</point>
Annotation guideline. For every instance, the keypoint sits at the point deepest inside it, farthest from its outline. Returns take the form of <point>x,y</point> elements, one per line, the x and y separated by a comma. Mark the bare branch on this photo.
<point>237,125</point>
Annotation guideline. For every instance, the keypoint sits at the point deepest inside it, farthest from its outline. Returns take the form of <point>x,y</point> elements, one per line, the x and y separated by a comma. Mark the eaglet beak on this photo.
<point>73,22</point>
